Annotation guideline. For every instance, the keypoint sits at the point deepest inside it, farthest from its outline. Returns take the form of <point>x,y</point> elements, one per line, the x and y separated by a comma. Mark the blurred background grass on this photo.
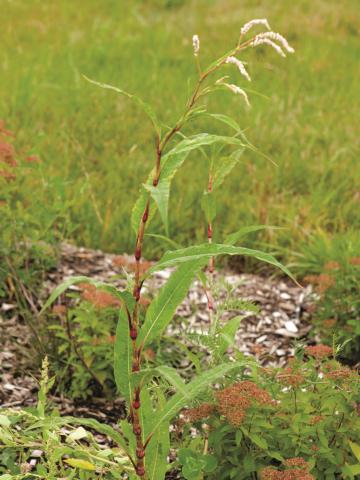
<point>96,148</point>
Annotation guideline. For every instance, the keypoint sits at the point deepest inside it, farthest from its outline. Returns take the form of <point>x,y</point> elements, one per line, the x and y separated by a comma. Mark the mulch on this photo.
<point>283,318</point>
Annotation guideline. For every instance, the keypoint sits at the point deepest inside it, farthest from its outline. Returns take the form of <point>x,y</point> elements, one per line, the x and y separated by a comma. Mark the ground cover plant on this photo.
<point>156,394</point>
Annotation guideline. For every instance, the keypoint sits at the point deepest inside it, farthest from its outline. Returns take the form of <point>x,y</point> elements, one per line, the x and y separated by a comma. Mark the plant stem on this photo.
<point>135,406</point>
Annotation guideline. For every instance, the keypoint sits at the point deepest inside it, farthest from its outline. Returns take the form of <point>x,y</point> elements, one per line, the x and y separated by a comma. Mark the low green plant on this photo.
<point>332,266</point>
<point>298,422</point>
<point>36,443</point>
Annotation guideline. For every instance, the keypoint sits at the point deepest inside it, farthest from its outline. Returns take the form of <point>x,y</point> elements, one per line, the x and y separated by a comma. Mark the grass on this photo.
<point>94,145</point>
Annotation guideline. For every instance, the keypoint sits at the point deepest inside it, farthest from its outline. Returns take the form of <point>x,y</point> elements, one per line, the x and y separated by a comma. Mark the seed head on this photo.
<point>240,66</point>
<point>276,37</point>
<point>256,21</point>
<point>266,41</point>
<point>238,91</point>
<point>196,44</point>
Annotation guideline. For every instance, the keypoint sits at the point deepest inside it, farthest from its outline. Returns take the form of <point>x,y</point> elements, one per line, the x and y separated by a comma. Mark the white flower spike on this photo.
<point>238,91</point>
<point>196,44</point>
<point>256,21</point>
<point>267,41</point>
<point>278,38</point>
<point>240,66</point>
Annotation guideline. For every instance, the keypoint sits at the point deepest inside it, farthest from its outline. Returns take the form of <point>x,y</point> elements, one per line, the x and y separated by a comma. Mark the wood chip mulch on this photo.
<point>283,318</point>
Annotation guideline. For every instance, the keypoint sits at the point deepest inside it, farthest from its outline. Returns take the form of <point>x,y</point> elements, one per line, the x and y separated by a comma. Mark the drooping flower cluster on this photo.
<point>252,23</point>
<point>240,66</point>
<point>319,351</point>
<point>270,38</point>
<point>234,400</point>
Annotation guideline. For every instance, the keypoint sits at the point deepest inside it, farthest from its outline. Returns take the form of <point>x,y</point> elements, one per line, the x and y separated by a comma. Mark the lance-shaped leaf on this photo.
<point>208,204</point>
<point>206,250</point>
<point>91,423</point>
<point>160,195</point>
<point>191,392</point>
<point>227,334</point>
<point>232,238</point>
<point>143,105</point>
<point>162,308</point>
<point>201,140</point>
<point>170,164</point>
<point>125,297</point>
<point>224,166</point>
<point>123,357</point>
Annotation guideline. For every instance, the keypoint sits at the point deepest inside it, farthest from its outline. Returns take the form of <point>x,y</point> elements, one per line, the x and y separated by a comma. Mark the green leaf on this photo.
<point>160,195</point>
<point>226,120</point>
<point>123,357</point>
<point>192,390</point>
<point>158,448</point>
<point>162,308</point>
<point>232,238</point>
<point>4,421</point>
<point>79,463</point>
<point>171,375</point>
<point>139,208</point>
<point>95,425</point>
<point>355,449</point>
<point>206,251</point>
<point>260,442</point>
<point>227,334</point>
<point>208,204</point>
<point>202,140</point>
<point>224,166</point>
<point>77,434</point>
<point>143,105</point>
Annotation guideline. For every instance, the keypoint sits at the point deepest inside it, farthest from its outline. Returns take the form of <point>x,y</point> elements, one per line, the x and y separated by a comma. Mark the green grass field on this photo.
<point>96,147</point>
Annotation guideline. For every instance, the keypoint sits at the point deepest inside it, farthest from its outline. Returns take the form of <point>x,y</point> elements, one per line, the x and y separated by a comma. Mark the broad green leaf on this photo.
<point>206,251</point>
<point>123,357</point>
<point>145,107</point>
<point>79,463</point>
<point>355,449</point>
<point>232,238</point>
<point>191,392</point>
<point>160,195</point>
<point>162,308</point>
<point>208,204</point>
<point>224,166</point>
<point>125,297</point>
<point>4,421</point>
